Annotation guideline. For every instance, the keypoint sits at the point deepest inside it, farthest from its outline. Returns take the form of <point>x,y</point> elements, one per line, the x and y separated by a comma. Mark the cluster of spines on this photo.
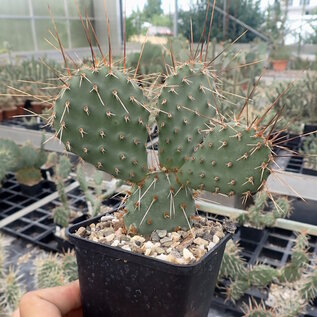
<point>61,213</point>
<point>297,270</point>
<point>256,215</point>
<point>11,286</point>
<point>55,270</point>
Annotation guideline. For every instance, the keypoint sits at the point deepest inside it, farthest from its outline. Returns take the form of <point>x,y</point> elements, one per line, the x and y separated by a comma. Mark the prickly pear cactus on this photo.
<point>159,200</point>
<point>186,103</point>
<point>231,160</point>
<point>102,115</point>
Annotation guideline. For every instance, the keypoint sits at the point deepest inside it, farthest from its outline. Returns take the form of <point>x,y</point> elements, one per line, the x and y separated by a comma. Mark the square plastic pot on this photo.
<point>119,283</point>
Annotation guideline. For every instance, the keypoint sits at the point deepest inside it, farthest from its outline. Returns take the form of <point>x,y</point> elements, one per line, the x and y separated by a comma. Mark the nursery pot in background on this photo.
<point>115,282</point>
<point>10,113</point>
<point>279,65</point>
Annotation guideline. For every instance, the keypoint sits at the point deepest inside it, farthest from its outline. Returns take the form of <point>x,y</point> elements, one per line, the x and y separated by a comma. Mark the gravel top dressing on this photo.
<point>178,247</point>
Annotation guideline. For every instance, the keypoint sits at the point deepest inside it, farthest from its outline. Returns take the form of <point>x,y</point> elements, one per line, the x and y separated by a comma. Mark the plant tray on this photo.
<point>19,123</point>
<point>39,228</point>
<point>274,248</point>
<point>12,199</point>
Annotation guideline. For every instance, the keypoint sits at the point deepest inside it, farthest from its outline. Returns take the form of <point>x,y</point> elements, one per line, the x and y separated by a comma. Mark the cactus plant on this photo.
<point>25,161</point>
<point>196,150</point>
<point>11,288</point>
<point>61,214</point>
<point>309,149</point>
<point>259,218</point>
<point>95,199</point>
<point>295,269</point>
<point>243,277</point>
<point>55,270</point>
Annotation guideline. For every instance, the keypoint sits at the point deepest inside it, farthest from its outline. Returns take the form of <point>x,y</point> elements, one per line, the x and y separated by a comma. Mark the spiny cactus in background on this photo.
<point>8,155</point>
<point>257,310</point>
<point>300,100</point>
<point>52,159</point>
<point>256,276</point>
<point>244,277</point>
<point>25,161</point>
<point>258,217</point>
<point>29,162</point>
<point>152,60</point>
<point>11,290</point>
<point>69,267</point>
<point>5,163</point>
<point>97,196</point>
<point>309,149</point>
<point>308,283</point>
<point>293,271</point>
<point>232,264</point>
<point>61,213</point>
<point>2,257</point>
<point>55,270</point>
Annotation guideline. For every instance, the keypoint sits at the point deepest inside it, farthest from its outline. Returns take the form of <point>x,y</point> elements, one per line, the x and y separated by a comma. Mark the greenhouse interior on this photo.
<point>158,158</point>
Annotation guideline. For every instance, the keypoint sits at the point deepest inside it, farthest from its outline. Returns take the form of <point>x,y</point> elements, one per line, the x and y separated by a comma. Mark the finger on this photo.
<point>55,302</point>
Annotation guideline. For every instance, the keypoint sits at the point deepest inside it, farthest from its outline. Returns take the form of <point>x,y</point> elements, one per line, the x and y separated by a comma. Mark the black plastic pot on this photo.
<point>47,172</point>
<point>310,128</point>
<point>308,171</point>
<point>251,234</point>
<point>118,283</point>
<point>31,190</point>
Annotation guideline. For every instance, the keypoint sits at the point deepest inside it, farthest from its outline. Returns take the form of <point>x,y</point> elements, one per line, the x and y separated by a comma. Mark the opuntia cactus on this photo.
<point>102,116</point>
<point>55,270</point>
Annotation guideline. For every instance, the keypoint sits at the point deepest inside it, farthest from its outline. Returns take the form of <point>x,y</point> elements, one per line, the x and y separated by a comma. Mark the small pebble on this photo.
<point>115,243</point>
<point>210,246</point>
<point>155,237</point>
<point>126,247</point>
<point>110,237</point>
<point>215,239</point>
<point>166,241</point>
<point>161,233</point>
<point>188,255</point>
<point>81,231</point>
<point>106,218</point>
<point>200,241</point>
<point>138,238</point>
<point>148,245</point>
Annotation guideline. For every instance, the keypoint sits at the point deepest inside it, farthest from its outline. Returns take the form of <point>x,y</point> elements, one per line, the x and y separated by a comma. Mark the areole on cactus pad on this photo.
<point>102,116</point>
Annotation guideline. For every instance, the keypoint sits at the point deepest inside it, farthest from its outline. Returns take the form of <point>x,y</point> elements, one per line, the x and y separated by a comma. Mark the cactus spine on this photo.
<point>56,270</point>
<point>61,213</point>
<point>259,218</point>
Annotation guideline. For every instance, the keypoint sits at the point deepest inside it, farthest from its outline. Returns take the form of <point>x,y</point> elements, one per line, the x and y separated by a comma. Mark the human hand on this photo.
<point>63,301</point>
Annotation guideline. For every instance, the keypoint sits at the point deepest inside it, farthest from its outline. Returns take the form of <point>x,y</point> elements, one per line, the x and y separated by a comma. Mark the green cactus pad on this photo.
<point>231,160</point>
<point>186,103</point>
<point>101,117</point>
<point>159,203</point>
